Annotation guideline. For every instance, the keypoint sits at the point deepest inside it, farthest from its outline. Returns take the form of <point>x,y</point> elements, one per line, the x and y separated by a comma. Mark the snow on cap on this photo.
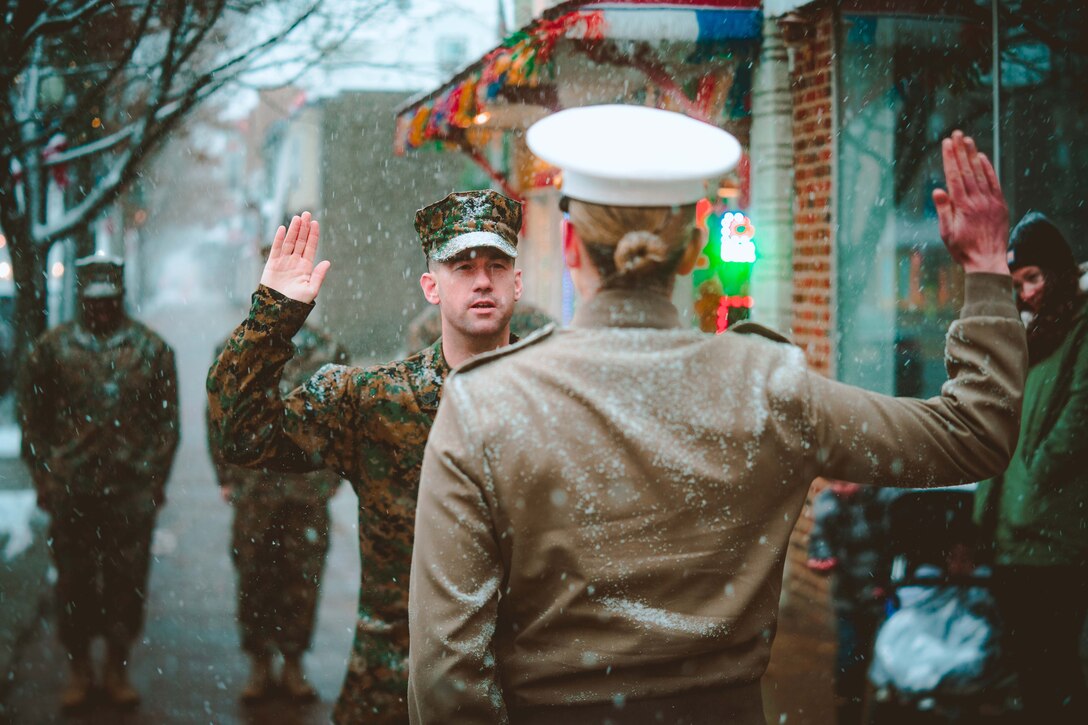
<point>469,219</point>
<point>632,155</point>
<point>100,276</point>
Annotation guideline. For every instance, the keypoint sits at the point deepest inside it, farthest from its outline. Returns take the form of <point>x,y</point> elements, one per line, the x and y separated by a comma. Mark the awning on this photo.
<point>620,33</point>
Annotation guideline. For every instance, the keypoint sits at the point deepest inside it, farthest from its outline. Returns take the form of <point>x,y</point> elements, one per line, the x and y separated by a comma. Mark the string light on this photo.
<point>58,269</point>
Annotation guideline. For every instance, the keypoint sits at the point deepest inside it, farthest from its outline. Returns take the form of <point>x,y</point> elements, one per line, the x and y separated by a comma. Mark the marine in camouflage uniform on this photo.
<point>99,414</point>
<point>369,425</point>
<point>280,539</point>
<point>426,327</point>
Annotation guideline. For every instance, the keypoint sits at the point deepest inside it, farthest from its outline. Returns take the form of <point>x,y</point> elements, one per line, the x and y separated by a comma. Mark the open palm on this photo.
<point>972,214</point>
<point>290,268</point>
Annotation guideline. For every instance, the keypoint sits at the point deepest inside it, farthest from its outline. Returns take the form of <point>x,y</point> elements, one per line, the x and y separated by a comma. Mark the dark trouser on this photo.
<point>101,548</point>
<point>375,688</point>
<point>279,549</point>
<point>857,633</point>
<point>741,705</point>
<point>1043,610</point>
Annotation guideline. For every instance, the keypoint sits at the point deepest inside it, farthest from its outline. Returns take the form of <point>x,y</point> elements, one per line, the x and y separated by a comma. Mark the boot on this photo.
<point>115,678</point>
<point>80,682</point>
<point>260,678</point>
<point>294,679</point>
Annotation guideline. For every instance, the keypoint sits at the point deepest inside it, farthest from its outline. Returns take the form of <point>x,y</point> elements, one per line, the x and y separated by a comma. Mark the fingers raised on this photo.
<point>982,183</point>
<point>963,164</point>
<point>944,213</point>
<point>990,173</point>
<point>952,177</point>
<point>310,251</point>
<point>303,233</point>
<point>277,242</point>
<point>317,277</point>
<point>291,236</point>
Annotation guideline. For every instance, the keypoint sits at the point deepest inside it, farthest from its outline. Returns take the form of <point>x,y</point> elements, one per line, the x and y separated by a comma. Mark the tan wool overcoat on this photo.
<point>604,511</point>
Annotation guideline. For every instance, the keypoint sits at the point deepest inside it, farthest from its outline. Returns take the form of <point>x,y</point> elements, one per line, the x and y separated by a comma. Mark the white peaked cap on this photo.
<point>632,155</point>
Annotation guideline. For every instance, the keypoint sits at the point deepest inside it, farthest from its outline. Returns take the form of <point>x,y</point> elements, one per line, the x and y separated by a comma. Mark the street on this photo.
<point>189,666</point>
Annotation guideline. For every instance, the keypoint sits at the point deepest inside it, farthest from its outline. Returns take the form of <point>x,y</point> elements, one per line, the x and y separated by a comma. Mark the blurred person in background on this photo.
<point>1036,513</point>
<point>849,543</point>
<point>280,539</point>
<point>99,412</point>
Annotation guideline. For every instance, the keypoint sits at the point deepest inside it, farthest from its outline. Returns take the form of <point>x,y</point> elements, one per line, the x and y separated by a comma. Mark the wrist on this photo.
<point>987,265</point>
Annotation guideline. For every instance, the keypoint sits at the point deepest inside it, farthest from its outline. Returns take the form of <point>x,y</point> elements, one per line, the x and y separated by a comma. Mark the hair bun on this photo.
<point>639,252</point>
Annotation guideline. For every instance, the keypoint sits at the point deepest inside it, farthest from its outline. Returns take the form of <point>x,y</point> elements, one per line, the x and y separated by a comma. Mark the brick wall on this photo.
<point>811,81</point>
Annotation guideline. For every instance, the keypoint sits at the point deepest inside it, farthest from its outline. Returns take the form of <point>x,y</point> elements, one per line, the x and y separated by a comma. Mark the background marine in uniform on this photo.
<point>279,542</point>
<point>99,413</point>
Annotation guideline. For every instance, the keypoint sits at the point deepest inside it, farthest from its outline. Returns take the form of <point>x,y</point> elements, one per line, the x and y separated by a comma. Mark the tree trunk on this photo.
<point>28,270</point>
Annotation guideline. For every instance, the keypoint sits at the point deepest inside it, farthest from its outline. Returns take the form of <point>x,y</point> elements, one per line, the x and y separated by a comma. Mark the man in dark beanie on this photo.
<point>1034,514</point>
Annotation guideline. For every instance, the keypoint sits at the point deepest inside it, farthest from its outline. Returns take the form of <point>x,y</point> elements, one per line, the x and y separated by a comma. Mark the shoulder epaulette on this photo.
<point>484,358</point>
<point>747,327</point>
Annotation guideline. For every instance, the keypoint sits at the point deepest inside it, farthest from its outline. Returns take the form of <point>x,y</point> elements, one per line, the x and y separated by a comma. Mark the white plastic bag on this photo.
<point>944,641</point>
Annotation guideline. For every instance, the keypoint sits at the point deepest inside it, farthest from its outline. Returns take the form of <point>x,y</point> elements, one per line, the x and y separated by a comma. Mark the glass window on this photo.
<point>904,83</point>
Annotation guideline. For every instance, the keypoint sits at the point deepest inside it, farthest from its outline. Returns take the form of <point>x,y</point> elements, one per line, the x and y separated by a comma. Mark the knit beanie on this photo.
<point>1037,241</point>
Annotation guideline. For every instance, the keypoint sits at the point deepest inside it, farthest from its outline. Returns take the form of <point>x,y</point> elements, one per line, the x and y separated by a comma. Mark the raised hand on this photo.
<point>290,268</point>
<point>972,216</point>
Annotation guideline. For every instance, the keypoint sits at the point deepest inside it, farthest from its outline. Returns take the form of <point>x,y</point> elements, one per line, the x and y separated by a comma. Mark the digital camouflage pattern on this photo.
<point>278,546</point>
<point>370,425</point>
<point>100,428</point>
<point>466,212</point>
<point>426,327</point>
<point>100,415</point>
<point>280,535</point>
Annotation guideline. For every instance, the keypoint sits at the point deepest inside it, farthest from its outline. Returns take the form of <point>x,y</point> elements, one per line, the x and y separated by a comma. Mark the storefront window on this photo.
<point>906,81</point>
<point>1044,113</point>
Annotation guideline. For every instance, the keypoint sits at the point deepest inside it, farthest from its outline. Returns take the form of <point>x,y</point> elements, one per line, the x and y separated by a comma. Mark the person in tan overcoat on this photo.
<point>604,511</point>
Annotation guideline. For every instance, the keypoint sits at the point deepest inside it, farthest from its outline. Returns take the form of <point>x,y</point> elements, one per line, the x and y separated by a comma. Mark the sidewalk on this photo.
<point>798,687</point>
<point>24,557</point>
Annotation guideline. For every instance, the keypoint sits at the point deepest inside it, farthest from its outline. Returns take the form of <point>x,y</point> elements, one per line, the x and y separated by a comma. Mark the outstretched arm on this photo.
<point>969,431</point>
<point>250,423</point>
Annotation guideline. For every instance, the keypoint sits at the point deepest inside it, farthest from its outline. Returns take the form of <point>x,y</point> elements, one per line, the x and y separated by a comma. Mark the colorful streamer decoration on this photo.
<point>523,60</point>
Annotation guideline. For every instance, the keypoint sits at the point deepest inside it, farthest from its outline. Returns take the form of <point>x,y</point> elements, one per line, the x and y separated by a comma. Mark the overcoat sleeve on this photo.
<point>455,580</point>
<point>966,434</point>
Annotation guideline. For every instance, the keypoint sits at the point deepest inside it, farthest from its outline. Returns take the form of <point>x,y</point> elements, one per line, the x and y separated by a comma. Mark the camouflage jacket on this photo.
<point>100,415</point>
<point>370,425</point>
<point>312,349</point>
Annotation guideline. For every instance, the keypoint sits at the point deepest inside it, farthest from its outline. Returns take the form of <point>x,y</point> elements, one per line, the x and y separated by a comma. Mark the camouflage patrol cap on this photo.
<point>467,219</point>
<point>100,276</point>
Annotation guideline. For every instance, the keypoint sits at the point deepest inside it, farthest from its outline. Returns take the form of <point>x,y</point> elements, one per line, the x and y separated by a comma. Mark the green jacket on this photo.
<point>1040,504</point>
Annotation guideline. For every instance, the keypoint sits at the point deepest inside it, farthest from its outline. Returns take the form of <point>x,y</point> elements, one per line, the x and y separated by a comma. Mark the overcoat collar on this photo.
<point>627,308</point>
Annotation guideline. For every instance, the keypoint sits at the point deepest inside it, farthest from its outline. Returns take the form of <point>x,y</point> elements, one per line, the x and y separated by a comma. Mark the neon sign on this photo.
<point>737,232</point>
